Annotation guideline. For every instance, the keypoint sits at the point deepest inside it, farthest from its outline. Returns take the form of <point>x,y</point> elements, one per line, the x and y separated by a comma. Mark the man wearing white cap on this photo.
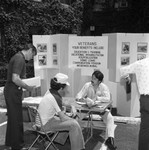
<point>52,116</point>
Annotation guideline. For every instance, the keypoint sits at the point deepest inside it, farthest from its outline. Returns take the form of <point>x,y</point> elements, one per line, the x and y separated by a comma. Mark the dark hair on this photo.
<point>28,46</point>
<point>55,85</point>
<point>99,75</point>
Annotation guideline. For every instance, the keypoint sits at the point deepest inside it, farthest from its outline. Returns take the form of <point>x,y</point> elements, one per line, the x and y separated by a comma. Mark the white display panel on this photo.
<point>124,49</point>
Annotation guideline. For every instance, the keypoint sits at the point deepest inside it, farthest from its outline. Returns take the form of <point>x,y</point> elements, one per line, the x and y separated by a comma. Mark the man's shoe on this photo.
<point>103,147</point>
<point>24,148</point>
<point>110,143</point>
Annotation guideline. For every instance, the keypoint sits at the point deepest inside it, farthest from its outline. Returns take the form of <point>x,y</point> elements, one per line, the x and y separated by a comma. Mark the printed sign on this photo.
<point>85,52</point>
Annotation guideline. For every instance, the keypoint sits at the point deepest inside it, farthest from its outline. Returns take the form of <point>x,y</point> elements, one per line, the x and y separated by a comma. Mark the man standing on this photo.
<point>13,96</point>
<point>96,92</point>
<point>52,115</point>
<point>141,70</point>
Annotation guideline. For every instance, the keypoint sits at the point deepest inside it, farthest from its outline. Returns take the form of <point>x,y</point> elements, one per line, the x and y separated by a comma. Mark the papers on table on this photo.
<point>80,103</point>
<point>32,100</point>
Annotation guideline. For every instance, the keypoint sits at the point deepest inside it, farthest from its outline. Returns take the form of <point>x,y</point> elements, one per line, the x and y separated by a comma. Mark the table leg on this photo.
<point>89,128</point>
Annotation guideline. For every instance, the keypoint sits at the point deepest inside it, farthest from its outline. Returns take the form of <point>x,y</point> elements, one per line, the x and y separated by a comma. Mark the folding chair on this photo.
<point>42,135</point>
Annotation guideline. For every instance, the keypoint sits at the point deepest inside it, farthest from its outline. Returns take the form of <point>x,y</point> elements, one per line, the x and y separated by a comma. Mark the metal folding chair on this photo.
<point>47,137</point>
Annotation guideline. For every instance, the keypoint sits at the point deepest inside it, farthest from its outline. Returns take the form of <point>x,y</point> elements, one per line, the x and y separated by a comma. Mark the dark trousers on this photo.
<point>14,131</point>
<point>144,126</point>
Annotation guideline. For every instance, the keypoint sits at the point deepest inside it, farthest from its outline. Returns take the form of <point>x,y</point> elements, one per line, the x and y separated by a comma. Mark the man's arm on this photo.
<point>127,70</point>
<point>82,93</point>
<point>70,108</point>
<point>104,98</point>
<point>130,69</point>
<point>17,80</point>
<point>105,94</point>
<point>63,117</point>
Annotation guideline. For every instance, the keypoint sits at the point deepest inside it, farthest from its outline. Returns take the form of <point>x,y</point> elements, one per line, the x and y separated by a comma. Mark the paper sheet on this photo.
<point>33,81</point>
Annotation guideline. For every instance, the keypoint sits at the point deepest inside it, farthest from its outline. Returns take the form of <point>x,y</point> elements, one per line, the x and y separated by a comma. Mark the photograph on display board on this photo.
<point>142,47</point>
<point>141,56</point>
<point>125,61</point>
<point>125,47</point>
<point>54,47</point>
<point>55,60</point>
<point>42,47</point>
<point>42,59</point>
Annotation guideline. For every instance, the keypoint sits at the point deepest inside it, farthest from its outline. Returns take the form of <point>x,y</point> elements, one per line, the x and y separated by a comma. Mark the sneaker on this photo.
<point>103,147</point>
<point>110,143</point>
<point>23,148</point>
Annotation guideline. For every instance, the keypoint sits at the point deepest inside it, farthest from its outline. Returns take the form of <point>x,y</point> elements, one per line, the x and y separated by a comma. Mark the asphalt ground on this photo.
<point>126,136</point>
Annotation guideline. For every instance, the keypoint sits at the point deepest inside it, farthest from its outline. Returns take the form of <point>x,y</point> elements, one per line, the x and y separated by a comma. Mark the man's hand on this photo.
<point>73,111</point>
<point>128,79</point>
<point>77,99</point>
<point>81,99</point>
<point>18,81</point>
<point>30,88</point>
<point>89,102</point>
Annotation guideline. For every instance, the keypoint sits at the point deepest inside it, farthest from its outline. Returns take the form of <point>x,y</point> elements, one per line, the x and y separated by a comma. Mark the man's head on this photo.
<point>97,77</point>
<point>60,83</point>
<point>29,51</point>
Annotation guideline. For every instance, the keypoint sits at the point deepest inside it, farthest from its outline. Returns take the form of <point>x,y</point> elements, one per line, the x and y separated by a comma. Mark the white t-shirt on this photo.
<point>48,107</point>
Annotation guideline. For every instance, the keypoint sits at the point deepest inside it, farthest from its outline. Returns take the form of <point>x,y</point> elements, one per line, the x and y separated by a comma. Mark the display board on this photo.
<point>124,49</point>
<point>66,48</point>
<point>47,51</point>
<point>79,56</point>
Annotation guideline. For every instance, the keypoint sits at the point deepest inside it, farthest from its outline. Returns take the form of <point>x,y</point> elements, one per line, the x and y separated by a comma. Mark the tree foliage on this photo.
<point>19,17</point>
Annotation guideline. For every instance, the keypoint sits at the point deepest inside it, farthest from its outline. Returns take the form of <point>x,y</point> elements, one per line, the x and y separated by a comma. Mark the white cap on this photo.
<point>62,78</point>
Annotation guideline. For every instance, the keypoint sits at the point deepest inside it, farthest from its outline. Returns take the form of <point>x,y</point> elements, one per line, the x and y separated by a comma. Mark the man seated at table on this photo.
<point>96,92</point>
<point>52,115</point>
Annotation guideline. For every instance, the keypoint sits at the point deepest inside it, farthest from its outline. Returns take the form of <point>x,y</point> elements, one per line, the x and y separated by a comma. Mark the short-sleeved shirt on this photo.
<point>141,70</point>
<point>48,106</point>
<point>16,65</point>
<point>102,93</point>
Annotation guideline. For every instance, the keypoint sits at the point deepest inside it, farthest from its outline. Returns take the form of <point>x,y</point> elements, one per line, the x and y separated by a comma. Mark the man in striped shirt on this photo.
<point>141,70</point>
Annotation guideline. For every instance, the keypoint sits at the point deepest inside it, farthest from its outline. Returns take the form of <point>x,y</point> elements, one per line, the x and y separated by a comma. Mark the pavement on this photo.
<point>126,136</point>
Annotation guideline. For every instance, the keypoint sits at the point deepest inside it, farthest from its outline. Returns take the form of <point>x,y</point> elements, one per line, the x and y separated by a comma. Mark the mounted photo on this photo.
<point>125,61</point>
<point>55,60</point>
<point>142,47</point>
<point>42,60</point>
<point>141,56</point>
<point>54,49</point>
<point>125,48</point>
<point>42,47</point>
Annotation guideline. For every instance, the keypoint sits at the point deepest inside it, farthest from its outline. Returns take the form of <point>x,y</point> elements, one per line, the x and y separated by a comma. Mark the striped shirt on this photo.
<point>141,70</point>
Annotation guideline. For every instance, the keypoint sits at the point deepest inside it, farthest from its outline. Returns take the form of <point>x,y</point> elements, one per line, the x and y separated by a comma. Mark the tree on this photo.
<point>19,17</point>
